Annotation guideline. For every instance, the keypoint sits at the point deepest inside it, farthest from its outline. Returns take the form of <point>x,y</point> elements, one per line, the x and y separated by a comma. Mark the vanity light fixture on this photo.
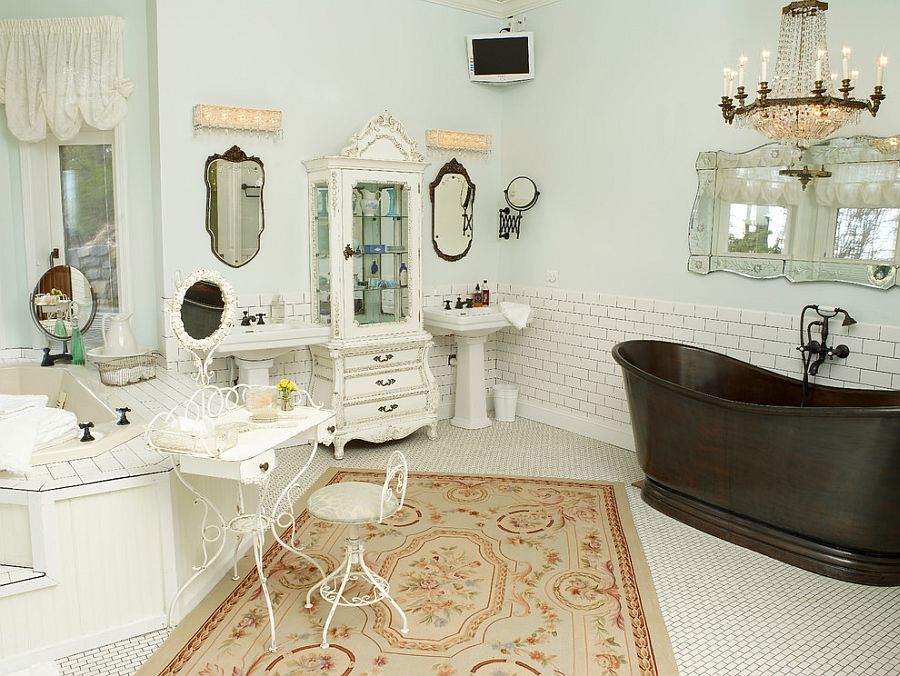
<point>805,175</point>
<point>442,139</point>
<point>803,104</point>
<point>226,118</point>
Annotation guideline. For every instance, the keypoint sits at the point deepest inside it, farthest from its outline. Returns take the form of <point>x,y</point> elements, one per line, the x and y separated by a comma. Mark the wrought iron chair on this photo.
<point>355,503</point>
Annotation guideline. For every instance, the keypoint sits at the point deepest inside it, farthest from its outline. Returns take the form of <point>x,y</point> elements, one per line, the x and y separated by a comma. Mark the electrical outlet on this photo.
<point>451,360</point>
<point>552,277</point>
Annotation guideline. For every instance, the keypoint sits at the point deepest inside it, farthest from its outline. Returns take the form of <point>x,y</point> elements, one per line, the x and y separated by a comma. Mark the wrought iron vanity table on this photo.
<point>253,463</point>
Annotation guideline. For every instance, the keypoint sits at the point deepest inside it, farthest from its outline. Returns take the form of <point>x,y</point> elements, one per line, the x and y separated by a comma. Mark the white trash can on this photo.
<point>506,396</point>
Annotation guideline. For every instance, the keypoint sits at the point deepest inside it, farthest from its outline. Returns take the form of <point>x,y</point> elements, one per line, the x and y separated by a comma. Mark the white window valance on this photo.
<point>61,74</point>
<point>865,184</point>
<point>758,185</point>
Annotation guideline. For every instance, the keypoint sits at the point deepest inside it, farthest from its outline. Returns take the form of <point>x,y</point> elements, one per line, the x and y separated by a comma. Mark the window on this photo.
<point>756,229</point>
<point>868,234</point>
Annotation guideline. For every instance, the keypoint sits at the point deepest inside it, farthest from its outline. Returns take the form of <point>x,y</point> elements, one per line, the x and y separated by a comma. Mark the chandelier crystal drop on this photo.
<point>802,104</point>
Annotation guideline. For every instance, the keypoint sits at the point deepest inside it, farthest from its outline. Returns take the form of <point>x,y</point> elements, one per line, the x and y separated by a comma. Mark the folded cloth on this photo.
<point>19,433</point>
<point>56,427</point>
<point>13,403</point>
<point>516,313</point>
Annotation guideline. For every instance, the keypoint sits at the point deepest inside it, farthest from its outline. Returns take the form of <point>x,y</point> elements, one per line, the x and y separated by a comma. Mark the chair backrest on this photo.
<point>394,482</point>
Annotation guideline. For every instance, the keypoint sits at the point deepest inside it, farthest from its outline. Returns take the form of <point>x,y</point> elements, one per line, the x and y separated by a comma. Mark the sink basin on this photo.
<point>255,347</point>
<point>471,322</point>
<point>471,326</point>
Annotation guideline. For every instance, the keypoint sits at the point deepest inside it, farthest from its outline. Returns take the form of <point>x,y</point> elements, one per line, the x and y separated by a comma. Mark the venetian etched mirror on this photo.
<point>62,299</point>
<point>452,203</point>
<point>234,205</point>
<point>202,315</point>
<point>826,212</point>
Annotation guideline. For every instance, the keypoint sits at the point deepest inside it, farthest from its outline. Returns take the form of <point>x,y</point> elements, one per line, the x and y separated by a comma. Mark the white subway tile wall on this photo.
<point>562,360</point>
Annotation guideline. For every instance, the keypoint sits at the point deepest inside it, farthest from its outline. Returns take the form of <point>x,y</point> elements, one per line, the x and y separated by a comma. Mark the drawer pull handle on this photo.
<point>263,467</point>
<point>388,409</point>
<point>385,383</point>
<point>330,429</point>
<point>382,358</point>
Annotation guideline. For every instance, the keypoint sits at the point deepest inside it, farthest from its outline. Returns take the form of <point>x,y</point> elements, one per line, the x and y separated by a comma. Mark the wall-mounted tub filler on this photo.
<point>814,352</point>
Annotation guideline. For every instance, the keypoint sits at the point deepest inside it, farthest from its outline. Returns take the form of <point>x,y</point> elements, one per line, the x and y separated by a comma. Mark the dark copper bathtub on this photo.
<point>726,448</point>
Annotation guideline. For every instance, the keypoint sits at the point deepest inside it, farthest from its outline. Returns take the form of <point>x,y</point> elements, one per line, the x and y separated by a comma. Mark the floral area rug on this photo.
<point>499,576</point>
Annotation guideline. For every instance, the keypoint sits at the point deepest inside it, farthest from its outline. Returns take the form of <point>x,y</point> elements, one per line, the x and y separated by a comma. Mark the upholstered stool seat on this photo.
<point>351,502</point>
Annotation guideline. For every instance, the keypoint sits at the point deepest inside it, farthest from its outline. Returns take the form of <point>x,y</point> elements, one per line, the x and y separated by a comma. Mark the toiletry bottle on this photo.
<point>477,297</point>
<point>276,313</point>
<point>374,267</point>
<point>404,275</point>
<point>77,344</point>
<point>485,294</point>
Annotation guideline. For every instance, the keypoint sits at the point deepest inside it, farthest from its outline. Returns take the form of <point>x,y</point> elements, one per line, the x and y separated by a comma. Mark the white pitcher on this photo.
<point>118,338</point>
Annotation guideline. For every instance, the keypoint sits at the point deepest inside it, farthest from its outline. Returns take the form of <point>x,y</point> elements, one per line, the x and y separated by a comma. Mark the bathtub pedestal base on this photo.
<point>818,557</point>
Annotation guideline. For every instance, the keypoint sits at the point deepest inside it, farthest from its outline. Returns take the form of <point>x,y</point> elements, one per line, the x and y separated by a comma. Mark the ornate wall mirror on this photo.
<point>826,212</point>
<point>234,205</point>
<point>452,204</point>
<point>202,315</point>
<point>62,299</point>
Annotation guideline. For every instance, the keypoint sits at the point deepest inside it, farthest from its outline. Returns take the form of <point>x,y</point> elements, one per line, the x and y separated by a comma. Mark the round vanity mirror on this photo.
<point>63,298</point>
<point>452,203</point>
<point>234,205</point>
<point>203,311</point>
<point>521,193</point>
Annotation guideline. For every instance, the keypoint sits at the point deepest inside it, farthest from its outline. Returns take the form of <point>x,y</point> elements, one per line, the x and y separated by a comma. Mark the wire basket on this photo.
<point>127,370</point>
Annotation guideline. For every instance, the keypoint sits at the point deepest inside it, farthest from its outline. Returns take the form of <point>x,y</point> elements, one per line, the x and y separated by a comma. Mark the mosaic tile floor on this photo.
<point>729,611</point>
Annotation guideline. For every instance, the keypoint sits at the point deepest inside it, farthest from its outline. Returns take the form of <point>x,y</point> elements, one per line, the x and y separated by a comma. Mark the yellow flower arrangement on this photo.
<point>285,387</point>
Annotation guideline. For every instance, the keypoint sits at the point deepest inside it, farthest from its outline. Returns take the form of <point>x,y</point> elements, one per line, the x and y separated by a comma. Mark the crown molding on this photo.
<point>498,9</point>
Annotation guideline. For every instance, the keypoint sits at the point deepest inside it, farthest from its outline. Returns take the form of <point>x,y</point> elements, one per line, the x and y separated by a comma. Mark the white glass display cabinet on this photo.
<point>366,234</point>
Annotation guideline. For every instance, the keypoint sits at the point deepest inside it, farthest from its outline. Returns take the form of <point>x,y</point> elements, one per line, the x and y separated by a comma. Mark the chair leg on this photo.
<point>337,570</point>
<point>384,588</point>
<point>337,599</point>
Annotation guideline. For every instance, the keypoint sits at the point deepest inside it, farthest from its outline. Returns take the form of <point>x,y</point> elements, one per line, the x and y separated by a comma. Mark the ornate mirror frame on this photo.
<point>236,155</point>
<point>209,344</point>
<point>454,167</point>
<point>716,169</point>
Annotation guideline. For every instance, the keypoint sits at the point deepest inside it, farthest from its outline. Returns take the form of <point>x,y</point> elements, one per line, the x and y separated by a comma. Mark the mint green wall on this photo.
<point>15,286</point>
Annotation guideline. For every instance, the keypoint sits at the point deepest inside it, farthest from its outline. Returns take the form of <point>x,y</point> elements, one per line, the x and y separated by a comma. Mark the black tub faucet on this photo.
<point>815,352</point>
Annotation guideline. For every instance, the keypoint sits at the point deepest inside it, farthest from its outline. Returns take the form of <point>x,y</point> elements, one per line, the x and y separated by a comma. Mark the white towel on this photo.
<point>57,426</point>
<point>516,313</point>
<point>13,403</point>
<point>18,433</point>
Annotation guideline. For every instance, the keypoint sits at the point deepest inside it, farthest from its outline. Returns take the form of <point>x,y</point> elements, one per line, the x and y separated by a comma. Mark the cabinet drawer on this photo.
<point>387,358</point>
<point>246,471</point>
<point>383,383</point>
<point>386,408</point>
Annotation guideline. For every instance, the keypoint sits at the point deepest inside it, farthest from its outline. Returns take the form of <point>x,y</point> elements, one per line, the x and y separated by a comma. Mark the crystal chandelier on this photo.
<point>802,105</point>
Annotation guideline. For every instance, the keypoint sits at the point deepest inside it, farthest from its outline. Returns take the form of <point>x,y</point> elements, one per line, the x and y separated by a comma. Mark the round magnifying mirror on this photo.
<point>62,299</point>
<point>202,309</point>
<point>521,193</point>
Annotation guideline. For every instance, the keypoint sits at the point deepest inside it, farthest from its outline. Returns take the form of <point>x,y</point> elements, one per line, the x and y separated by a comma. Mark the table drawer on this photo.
<point>383,383</point>
<point>385,359</point>
<point>386,408</point>
<point>251,470</point>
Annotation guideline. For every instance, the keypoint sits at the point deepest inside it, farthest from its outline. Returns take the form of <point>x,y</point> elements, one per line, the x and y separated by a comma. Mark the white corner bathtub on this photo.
<point>57,382</point>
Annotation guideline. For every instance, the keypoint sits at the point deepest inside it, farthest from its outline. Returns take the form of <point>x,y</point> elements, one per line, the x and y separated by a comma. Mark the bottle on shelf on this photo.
<point>477,297</point>
<point>404,275</point>
<point>276,313</point>
<point>485,294</point>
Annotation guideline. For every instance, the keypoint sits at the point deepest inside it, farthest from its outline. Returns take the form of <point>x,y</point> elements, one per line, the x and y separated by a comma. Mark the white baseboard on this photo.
<point>82,643</point>
<point>566,421</point>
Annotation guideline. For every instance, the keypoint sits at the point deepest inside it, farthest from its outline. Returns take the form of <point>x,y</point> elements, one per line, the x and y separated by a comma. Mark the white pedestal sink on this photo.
<point>471,327</point>
<point>255,348</point>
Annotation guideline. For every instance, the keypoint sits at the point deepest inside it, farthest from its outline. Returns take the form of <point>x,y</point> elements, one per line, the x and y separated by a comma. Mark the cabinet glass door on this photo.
<point>321,310</point>
<point>380,243</point>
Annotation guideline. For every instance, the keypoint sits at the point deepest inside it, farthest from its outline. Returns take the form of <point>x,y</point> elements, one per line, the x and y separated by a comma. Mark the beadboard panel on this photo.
<point>15,541</point>
<point>110,573</point>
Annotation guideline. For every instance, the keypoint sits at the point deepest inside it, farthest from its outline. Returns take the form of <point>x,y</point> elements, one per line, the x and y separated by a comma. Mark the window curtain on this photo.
<point>61,74</point>
<point>757,185</point>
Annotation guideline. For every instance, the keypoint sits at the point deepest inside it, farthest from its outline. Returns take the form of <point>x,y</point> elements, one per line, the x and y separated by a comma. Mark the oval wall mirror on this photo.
<point>235,216</point>
<point>62,299</point>
<point>452,204</point>
<point>521,193</point>
<point>203,310</point>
